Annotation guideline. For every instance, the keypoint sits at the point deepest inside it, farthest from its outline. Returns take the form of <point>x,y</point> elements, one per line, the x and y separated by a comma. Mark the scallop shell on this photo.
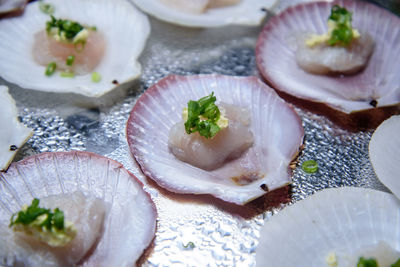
<point>131,220</point>
<point>385,155</point>
<point>350,100</point>
<point>276,127</point>
<point>12,132</point>
<point>9,7</point>
<point>339,220</point>
<point>125,30</point>
<point>247,12</point>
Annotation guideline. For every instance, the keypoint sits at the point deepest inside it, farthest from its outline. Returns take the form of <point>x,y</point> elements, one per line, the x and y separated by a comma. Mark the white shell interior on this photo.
<point>339,220</point>
<point>247,12</point>
<point>384,153</point>
<point>131,220</point>
<point>12,132</point>
<point>276,128</point>
<point>124,27</point>
<point>379,81</point>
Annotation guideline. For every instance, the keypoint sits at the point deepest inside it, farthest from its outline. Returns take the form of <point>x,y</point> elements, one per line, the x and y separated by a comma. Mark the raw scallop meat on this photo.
<point>362,100</point>
<point>130,219</point>
<point>344,221</point>
<point>125,30</point>
<point>87,215</point>
<point>276,128</point>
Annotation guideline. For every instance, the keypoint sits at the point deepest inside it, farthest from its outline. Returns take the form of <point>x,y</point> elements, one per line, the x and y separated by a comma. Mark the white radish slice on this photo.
<point>384,153</point>
<point>362,100</point>
<point>345,221</point>
<point>246,12</point>
<point>130,222</point>
<point>276,128</point>
<point>13,134</point>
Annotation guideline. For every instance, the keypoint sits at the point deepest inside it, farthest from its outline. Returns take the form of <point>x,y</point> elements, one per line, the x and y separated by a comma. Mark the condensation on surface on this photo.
<point>192,230</point>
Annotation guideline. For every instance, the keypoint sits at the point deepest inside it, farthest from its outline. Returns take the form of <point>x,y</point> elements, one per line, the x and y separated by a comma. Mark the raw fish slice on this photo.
<point>87,215</point>
<point>384,153</point>
<point>125,30</point>
<point>343,220</point>
<point>130,222</point>
<point>13,134</point>
<point>350,99</point>
<point>246,12</point>
<point>276,128</point>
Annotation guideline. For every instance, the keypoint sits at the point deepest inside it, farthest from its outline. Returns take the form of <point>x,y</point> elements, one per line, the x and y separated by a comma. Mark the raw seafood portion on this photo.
<point>130,221</point>
<point>324,59</point>
<point>362,100</point>
<point>84,59</point>
<point>87,215</point>
<point>197,6</point>
<point>341,50</point>
<point>345,221</point>
<point>385,155</point>
<point>13,134</point>
<point>208,154</point>
<point>194,13</point>
<point>276,129</point>
<point>125,31</point>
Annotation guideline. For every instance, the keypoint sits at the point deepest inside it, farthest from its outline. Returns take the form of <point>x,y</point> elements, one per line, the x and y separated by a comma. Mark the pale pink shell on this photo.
<point>379,81</point>
<point>276,127</point>
<point>131,219</point>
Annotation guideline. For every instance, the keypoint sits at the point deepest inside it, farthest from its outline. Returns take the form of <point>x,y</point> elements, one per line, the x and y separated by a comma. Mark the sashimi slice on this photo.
<point>130,219</point>
<point>276,128</point>
<point>362,100</point>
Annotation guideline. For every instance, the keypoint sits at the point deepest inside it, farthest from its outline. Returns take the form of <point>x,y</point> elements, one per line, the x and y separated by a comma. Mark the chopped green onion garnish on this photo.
<point>189,245</point>
<point>66,28</point>
<point>362,262</point>
<point>203,116</point>
<point>93,28</point>
<point>79,46</point>
<point>310,166</point>
<point>51,68</point>
<point>343,32</point>
<point>32,212</point>
<point>67,74</point>
<point>70,60</point>
<point>46,8</point>
<point>96,77</point>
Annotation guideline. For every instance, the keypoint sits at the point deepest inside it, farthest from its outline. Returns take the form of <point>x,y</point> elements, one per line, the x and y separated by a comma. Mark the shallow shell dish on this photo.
<point>276,128</point>
<point>246,12</point>
<point>9,7</point>
<point>361,100</point>
<point>125,30</point>
<point>13,134</point>
<point>384,153</point>
<point>131,220</point>
<point>344,221</point>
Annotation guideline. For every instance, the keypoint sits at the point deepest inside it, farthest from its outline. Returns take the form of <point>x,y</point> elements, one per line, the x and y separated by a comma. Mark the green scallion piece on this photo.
<point>189,245</point>
<point>67,74</point>
<point>96,77</point>
<point>46,8</point>
<point>310,166</point>
<point>51,68</point>
<point>70,60</point>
